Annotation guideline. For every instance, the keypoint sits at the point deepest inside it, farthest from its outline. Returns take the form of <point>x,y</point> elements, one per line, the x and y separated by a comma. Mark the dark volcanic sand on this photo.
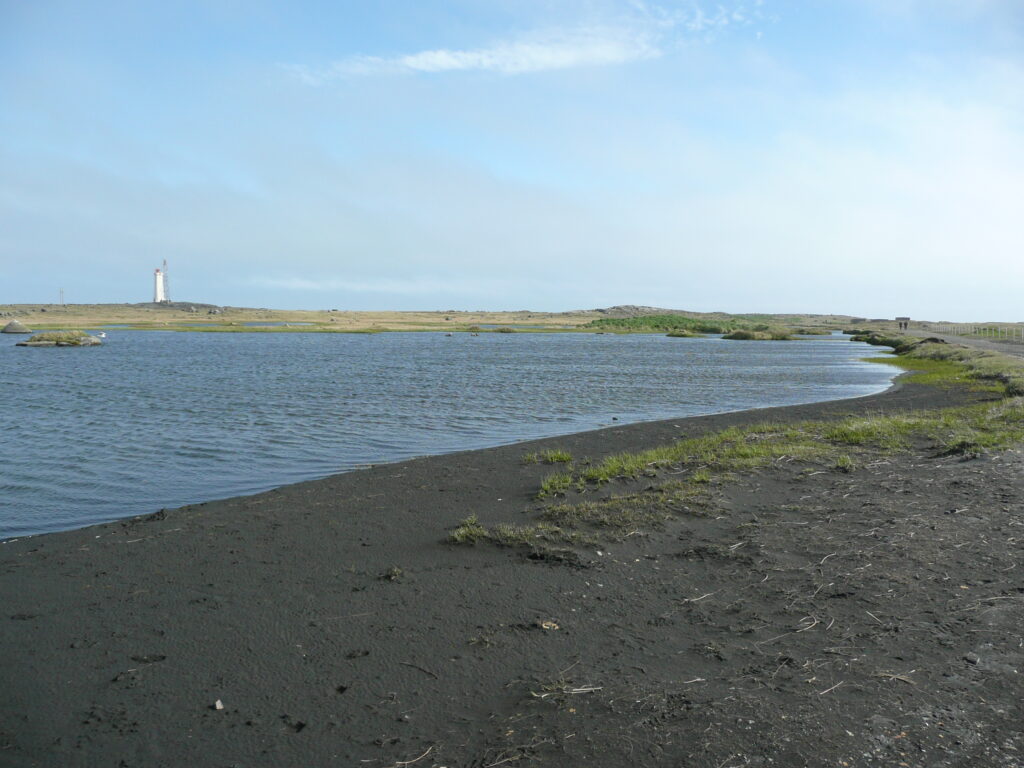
<point>869,618</point>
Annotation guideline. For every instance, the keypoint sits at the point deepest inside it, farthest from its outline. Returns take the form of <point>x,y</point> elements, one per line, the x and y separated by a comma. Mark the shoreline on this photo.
<point>505,430</point>
<point>525,441</point>
<point>337,626</point>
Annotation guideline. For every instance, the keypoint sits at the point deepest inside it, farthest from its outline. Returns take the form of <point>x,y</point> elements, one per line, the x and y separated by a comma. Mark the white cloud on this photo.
<point>699,18</point>
<point>644,33</point>
<point>563,50</point>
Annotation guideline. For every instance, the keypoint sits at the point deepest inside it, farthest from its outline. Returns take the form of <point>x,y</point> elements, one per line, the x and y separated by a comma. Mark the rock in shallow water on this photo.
<point>16,327</point>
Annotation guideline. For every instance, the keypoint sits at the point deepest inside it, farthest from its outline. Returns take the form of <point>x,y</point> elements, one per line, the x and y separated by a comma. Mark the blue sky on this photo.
<point>854,156</point>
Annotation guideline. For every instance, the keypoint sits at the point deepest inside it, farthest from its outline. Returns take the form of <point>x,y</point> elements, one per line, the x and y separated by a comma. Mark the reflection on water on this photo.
<point>159,419</point>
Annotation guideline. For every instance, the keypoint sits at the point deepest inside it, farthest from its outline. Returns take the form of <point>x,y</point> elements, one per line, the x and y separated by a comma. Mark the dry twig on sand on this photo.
<point>403,763</point>
<point>421,669</point>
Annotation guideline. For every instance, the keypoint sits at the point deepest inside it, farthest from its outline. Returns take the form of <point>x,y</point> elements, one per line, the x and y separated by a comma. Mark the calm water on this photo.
<point>159,419</point>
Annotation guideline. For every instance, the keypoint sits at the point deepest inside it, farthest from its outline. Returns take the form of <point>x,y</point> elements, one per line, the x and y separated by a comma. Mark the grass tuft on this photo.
<point>556,484</point>
<point>538,538</point>
<point>549,456</point>
<point>845,464</point>
<point>469,531</point>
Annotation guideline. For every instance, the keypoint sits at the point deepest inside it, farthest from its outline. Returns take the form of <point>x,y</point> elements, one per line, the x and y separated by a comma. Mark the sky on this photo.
<point>862,157</point>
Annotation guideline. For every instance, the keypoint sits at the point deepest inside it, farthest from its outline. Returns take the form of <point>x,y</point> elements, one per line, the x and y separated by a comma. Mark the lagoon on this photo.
<point>156,419</point>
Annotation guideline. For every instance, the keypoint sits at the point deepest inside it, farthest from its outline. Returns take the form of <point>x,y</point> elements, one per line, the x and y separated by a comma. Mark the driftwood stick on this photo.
<point>402,763</point>
<point>421,669</point>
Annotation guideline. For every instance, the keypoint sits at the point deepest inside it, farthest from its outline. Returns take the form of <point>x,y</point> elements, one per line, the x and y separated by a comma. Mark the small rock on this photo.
<point>972,658</point>
<point>15,327</point>
<point>218,704</point>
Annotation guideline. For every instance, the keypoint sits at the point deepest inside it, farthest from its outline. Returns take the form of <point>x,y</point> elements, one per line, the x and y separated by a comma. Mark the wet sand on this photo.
<point>805,618</point>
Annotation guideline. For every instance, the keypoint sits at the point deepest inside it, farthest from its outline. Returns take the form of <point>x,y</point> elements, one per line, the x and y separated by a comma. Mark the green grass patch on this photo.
<point>620,514</point>
<point>963,430</point>
<point>885,433</point>
<point>767,335</point>
<point>556,484</point>
<point>938,372</point>
<point>681,325</point>
<point>731,449</point>
<point>655,323</point>
<point>539,537</point>
<point>737,449</point>
<point>469,531</point>
<point>61,337</point>
<point>981,365</point>
<point>845,464</point>
<point>550,456</point>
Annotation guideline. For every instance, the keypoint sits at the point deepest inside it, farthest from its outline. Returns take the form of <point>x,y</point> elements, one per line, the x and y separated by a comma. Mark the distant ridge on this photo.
<point>636,310</point>
<point>639,310</point>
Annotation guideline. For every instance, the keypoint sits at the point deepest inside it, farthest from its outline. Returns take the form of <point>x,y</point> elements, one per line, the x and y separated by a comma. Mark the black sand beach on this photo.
<point>804,618</point>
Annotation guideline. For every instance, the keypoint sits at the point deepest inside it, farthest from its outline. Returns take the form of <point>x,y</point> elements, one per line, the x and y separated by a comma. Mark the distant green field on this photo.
<point>654,323</point>
<point>681,323</point>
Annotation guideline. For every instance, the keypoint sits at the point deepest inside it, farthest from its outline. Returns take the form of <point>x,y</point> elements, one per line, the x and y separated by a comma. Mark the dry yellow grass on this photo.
<point>48,316</point>
<point>41,316</point>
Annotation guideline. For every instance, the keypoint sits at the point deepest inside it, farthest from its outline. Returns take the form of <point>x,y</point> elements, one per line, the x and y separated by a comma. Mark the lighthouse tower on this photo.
<point>160,294</point>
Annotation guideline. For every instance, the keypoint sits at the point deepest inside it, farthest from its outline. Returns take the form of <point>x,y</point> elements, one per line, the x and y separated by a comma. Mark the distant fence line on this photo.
<point>1011,333</point>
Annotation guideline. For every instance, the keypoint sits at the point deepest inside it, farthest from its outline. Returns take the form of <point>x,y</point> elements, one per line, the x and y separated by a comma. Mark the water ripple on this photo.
<point>159,419</point>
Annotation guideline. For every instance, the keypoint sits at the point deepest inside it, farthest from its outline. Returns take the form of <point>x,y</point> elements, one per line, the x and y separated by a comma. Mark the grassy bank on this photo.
<point>658,324</point>
<point>678,325</point>
<point>593,501</point>
<point>682,326</point>
<point>977,365</point>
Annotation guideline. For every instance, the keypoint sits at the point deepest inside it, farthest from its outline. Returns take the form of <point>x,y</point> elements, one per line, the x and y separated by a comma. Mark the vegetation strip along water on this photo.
<point>696,465</point>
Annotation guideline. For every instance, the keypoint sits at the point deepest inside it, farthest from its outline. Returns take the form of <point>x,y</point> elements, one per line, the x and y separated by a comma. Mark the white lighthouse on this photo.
<point>160,294</point>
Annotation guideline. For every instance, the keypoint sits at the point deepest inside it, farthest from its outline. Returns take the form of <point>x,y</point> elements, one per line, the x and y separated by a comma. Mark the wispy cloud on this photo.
<point>645,32</point>
<point>698,19</point>
<point>551,51</point>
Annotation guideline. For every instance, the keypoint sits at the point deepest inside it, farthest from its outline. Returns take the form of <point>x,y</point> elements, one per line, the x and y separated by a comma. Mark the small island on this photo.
<point>741,334</point>
<point>61,339</point>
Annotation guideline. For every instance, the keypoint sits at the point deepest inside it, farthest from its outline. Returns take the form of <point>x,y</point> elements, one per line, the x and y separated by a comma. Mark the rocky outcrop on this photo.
<point>16,327</point>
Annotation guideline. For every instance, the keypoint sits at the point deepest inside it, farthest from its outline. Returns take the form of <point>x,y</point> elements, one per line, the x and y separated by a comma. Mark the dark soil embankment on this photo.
<point>804,615</point>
